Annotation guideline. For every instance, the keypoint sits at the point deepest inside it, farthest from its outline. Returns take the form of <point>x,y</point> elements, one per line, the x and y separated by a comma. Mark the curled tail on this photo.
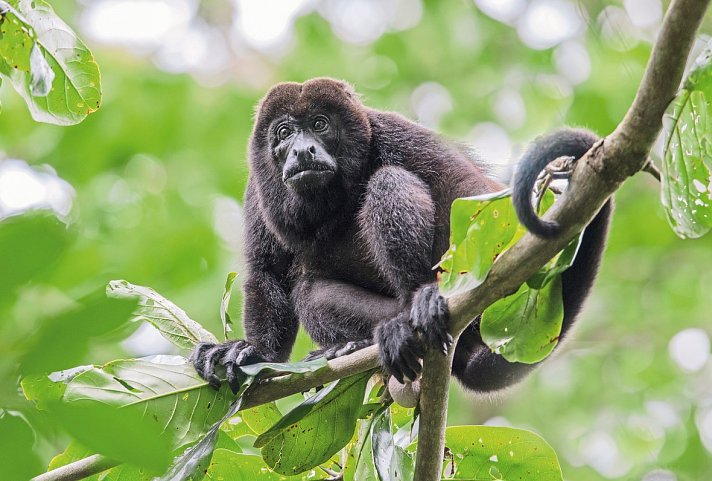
<point>562,143</point>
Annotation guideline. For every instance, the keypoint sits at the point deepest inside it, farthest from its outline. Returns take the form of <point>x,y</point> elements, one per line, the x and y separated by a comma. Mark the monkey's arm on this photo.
<point>270,324</point>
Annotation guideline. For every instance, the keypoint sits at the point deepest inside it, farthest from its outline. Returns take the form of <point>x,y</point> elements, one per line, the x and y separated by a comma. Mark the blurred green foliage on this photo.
<point>160,169</point>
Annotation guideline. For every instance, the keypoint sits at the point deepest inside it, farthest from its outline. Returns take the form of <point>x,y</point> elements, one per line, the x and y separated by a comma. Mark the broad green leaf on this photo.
<point>170,320</point>
<point>63,340</point>
<point>18,460</point>
<point>35,42</point>
<point>686,184</point>
<point>359,461</point>
<point>194,462</point>
<point>43,389</point>
<point>227,465</point>
<point>30,244</point>
<point>487,453</point>
<point>118,433</point>
<point>261,418</point>
<point>316,429</point>
<point>225,303</point>
<point>167,388</point>
<point>525,326</point>
<point>392,462</point>
<point>481,228</point>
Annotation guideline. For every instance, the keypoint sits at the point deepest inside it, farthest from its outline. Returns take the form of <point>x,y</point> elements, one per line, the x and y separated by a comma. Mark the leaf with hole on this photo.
<point>170,393</point>
<point>486,453</point>
<point>47,64</point>
<point>481,228</point>
<point>316,429</point>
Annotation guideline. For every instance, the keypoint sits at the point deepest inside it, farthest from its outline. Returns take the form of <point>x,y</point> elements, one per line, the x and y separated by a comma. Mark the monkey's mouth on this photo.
<point>309,176</point>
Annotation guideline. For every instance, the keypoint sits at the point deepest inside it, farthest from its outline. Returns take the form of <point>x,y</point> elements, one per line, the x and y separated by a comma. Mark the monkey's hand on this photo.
<point>400,348</point>
<point>339,350</point>
<point>429,316</point>
<point>210,360</point>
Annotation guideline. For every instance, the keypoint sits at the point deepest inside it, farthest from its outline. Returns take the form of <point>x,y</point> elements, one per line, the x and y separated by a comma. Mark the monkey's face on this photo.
<point>312,138</point>
<point>302,147</point>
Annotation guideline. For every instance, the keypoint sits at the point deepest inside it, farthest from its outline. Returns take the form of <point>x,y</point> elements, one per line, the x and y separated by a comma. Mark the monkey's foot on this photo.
<point>209,359</point>
<point>429,316</point>
<point>339,350</point>
<point>400,348</point>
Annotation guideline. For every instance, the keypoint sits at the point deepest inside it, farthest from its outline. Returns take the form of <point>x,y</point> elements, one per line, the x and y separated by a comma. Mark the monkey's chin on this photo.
<point>309,180</point>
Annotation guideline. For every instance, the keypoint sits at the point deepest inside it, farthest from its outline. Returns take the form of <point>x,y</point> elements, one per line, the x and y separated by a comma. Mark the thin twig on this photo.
<point>651,169</point>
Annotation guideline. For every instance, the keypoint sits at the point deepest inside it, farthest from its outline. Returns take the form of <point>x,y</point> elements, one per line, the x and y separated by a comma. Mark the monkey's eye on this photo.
<point>320,124</point>
<point>283,132</point>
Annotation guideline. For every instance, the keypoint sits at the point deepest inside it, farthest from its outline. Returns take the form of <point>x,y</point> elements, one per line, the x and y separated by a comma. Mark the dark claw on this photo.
<point>400,348</point>
<point>429,316</point>
<point>210,360</point>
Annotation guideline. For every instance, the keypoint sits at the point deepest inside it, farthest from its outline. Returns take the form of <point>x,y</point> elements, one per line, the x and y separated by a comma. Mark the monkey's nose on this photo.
<point>312,150</point>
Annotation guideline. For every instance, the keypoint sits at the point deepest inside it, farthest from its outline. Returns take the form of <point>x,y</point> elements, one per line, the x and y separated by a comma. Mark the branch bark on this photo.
<point>596,177</point>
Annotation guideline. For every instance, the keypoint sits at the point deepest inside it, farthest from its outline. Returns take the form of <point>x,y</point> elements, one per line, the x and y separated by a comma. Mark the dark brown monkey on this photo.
<point>347,210</point>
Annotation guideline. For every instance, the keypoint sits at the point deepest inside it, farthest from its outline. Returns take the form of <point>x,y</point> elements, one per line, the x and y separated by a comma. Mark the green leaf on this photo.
<point>35,40</point>
<point>118,433</point>
<point>169,392</point>
<point>30,244</point>
<point>18,460</point>
<point>686,185</point>
<point>316,429</point>
<point>170,320</point>
<point>359,461</point>
<point>261,418</point>
<point>227,465</point>
<point>225,303</point>
<point>73,452</point>
<point>486,453</point>
<point>525,326</point>
<point>63,340</point>
<point>481,228</point>
<point>391,461</point>
<point>194,462</point>
<point>43,389</point>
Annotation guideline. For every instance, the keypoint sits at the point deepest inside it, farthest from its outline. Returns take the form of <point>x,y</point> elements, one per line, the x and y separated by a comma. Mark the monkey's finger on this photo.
<point>409,365</point>
<point>234,379</point>
<point>209,363</point>
<point>200,350</point>
<point>248,355</point>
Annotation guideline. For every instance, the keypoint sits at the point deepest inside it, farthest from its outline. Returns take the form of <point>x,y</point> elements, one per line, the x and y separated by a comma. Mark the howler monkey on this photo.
<point>347,210</point>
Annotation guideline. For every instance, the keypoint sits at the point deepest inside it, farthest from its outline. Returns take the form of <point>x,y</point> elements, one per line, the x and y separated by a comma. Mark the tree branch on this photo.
<point>78,470</point>
<point>596,176</point>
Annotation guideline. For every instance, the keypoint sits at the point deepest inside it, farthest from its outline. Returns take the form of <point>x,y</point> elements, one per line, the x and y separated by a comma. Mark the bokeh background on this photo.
<point>151,186</point>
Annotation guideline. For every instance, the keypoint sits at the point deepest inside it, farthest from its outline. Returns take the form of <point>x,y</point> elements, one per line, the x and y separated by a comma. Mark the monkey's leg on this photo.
<point>480,369</point>
<point>338,316</point>
<point>397,221</point>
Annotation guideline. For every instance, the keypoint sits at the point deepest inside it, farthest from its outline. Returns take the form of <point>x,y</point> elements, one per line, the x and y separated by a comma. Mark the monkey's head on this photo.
<point>313,137</point>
